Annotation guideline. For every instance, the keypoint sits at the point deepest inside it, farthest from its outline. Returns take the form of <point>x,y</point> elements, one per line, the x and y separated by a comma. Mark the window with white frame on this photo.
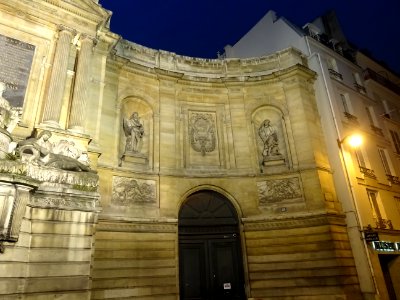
<point>344,97</point>
<point>363,163</point>
<point>386,162</point>
<point>386,106</point>
<point>396,140</point>
<point>333,68</point>
<point>375,204</point>
<point>371,116</point>
<point>358,83</point>
<point>373,120</point>
<point>360,158</point>
<point>378,210</point>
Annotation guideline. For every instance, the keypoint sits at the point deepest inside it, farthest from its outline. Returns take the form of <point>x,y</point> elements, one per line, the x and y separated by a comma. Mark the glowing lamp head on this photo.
<point>355,140</point>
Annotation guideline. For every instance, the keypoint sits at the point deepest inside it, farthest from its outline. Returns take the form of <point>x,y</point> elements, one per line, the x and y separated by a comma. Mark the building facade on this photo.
<point>131,173</point>
<point>355,94</point>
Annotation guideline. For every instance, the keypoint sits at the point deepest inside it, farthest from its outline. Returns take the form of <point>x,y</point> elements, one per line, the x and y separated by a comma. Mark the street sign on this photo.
<point>371,236</point>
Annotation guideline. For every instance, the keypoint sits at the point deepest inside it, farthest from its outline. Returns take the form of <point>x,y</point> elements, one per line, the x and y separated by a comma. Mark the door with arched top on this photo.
<point>210,256</point>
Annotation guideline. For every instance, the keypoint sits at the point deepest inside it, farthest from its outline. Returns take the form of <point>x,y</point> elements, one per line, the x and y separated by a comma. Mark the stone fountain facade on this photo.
<point>131,133</point>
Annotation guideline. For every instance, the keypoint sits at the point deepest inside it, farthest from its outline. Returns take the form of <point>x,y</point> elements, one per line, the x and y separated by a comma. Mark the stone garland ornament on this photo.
<point>202,133</point>
<point>131,192</point>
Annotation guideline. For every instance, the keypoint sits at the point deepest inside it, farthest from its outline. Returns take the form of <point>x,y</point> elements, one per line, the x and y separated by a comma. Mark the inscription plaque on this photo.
<point>15,65</point>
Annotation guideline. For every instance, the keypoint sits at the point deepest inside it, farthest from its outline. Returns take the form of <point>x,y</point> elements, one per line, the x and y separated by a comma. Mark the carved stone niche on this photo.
<point>269,130</point>
<point>136,133</point>
<point>14,196</point>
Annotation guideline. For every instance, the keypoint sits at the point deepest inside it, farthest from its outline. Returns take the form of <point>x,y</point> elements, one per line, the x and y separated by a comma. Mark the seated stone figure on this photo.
<point>41,151</point>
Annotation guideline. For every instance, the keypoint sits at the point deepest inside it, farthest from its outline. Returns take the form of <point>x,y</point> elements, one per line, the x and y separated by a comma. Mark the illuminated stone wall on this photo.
<point>156,127</point>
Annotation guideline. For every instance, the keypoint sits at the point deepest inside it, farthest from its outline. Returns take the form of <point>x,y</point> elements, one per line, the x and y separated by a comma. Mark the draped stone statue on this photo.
<point>269,135</point>
<point>134,132</point>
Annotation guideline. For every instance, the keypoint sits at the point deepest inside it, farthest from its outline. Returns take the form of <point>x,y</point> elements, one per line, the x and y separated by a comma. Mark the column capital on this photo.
<point>63,28</point>
<point>85,38</point>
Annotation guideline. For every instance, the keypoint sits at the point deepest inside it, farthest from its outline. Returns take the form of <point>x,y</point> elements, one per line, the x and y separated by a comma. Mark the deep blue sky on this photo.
<point>200,28</point>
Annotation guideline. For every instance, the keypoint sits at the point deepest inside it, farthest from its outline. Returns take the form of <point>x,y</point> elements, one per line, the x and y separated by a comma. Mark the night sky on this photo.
<point>201,28</point>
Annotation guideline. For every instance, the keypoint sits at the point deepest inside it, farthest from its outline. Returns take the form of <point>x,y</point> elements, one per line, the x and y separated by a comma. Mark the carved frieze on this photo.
<point>277,190</point>
<point>132,192</point>
<point>85,181</point>
<point>202,132</point>
<point>64,202</point>
<point>139,227</point>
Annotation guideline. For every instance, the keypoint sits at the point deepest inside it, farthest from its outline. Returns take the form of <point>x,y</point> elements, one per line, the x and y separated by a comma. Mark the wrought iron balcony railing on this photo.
<point>377,130</point>
<point>335,74</point>
<point>368,172</point>
<point>393,179</point>
<point>381,223</point>
<point>370,74</point>
<point>360,88</point>
<point>350,116</point>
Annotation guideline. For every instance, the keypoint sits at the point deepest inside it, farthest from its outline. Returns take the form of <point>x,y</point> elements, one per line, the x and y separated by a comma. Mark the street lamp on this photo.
<point>354,140</point>
<point>355,226</point>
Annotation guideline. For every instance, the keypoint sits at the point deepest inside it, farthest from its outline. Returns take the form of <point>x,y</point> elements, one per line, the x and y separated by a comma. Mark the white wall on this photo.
<point>266,37</point>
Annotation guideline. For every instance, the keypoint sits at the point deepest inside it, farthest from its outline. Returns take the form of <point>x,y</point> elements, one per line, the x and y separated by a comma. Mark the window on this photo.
<point>375,204</point>
<point>387,165</point>
<point>333,69</point>
<point>346,103</point>
<point>373,120</point>
<point>378,211</point>
<point>364,164</point>
<point>395,140</point>
<point>371,116</point>
<point>360,158</point>
<point>358,83</point>
<point>357,78</point>
<point>387,109</point>
<point>397,201</point>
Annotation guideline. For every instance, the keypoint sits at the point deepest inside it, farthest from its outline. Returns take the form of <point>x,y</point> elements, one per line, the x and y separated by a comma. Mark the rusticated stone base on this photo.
<point>135,260</point>
<point>300,258</point>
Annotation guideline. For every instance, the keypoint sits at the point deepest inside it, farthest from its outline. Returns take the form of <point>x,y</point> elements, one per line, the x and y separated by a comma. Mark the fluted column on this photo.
<point>82,81</point>
<point>53,104</point>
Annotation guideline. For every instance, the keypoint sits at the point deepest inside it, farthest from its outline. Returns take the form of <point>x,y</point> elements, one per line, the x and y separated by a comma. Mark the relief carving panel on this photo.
<point>132,192</point>
<point>278,190</point>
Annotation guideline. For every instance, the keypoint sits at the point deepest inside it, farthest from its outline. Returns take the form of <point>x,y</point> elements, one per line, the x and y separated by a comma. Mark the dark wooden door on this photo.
<point>210,257</point>
<point>210,268</point>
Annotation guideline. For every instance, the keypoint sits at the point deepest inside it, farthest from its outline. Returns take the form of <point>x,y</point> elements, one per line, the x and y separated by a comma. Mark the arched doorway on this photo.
<point>210,256</point>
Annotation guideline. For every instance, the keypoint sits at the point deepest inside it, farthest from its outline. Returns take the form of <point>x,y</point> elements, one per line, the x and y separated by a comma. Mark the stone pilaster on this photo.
<point>53,105</point>
<point>78,107</point>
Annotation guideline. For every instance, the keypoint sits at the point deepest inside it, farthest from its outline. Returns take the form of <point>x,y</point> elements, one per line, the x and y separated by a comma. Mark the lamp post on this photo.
<point>355,226</point>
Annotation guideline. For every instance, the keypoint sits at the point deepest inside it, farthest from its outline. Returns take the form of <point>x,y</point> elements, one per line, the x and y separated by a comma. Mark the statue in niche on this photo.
<point>9,115</point>
<point>134,132</point>
<point>41,151</point>
<point>269,136</point>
